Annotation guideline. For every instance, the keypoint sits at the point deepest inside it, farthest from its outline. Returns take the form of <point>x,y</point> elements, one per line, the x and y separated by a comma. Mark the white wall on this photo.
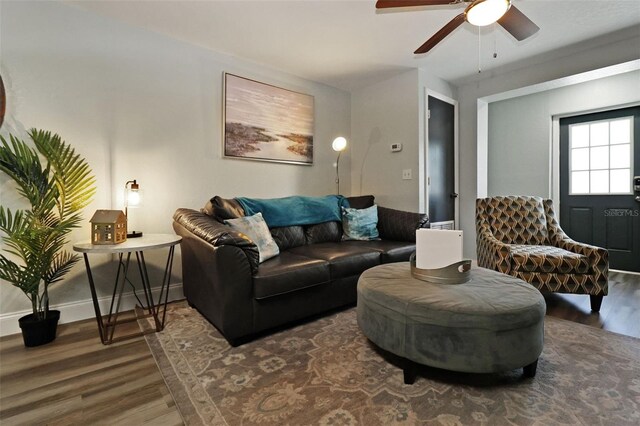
<point>382,114</point>
<point>139,105</point>
<point>471,95</point>
<point>520,129</point>
<point>391,111</point>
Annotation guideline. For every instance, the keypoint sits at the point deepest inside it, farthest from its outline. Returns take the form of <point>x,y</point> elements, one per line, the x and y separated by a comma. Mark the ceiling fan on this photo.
<point>478,12</point>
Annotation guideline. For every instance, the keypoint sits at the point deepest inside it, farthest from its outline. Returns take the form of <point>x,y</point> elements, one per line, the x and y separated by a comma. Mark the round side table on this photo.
<point>137,246</point>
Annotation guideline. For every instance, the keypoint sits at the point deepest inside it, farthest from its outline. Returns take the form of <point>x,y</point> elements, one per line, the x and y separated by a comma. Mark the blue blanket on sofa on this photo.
<point>295,210</point>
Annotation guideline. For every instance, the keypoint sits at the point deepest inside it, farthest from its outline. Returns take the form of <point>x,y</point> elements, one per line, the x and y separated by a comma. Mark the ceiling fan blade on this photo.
<point>517,24</point>
<point>444,31</point>
<point>383,4</point>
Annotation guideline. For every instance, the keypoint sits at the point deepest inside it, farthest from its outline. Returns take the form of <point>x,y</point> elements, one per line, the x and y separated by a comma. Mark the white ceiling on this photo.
<point>348,44</point>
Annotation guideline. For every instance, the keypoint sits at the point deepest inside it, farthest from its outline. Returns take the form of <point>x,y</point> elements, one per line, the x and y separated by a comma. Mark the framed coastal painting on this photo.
<point>267,123</point>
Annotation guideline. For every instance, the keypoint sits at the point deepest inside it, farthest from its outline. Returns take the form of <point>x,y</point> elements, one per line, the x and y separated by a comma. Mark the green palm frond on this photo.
<point>62,264</point>
<point>13,223</point>
<point>23,165</point>
<point>23,277</point>
<point>17,227</point>
<point>57,193</point>
<point>71,173</point>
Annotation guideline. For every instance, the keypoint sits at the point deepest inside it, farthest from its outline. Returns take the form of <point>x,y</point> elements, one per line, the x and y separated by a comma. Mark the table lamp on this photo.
<point>131,199</point>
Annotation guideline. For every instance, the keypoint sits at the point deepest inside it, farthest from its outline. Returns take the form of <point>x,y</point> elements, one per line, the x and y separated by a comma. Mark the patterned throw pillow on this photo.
<point>360,224</point>
<point>256,228</point>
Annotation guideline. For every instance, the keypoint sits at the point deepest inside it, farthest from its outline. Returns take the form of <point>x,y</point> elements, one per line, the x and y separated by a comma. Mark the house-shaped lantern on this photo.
<point>108,227</point>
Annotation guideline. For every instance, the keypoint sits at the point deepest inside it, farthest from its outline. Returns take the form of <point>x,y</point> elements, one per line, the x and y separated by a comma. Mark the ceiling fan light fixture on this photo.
<point>486,12</point>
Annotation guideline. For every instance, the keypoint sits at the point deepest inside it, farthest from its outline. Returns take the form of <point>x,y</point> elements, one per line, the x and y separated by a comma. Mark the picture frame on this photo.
<point>264,122</point>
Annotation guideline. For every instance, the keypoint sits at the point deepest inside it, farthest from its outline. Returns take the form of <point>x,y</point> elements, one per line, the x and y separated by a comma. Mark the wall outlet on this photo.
<point>406,174</point>
<point>396,147</point>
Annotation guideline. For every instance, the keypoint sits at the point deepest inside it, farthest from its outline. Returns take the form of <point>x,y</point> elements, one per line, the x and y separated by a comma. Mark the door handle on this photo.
<point>453,195</point>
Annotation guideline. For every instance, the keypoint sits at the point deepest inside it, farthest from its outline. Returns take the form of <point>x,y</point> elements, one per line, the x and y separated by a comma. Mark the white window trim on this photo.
<point>632,148</point>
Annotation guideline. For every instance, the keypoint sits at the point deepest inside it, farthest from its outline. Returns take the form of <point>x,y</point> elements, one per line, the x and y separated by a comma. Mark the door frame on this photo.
<point>456,152</point>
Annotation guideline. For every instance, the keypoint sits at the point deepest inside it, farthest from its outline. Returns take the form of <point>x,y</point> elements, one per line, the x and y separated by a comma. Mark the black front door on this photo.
<point>441,152</point>
<point>598,161</point>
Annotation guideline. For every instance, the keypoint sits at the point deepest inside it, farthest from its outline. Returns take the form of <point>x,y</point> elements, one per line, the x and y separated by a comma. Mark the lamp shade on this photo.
<point>132,194</point>
<point>486,12</point>
<point>132,198</point>
<point>339,144</point>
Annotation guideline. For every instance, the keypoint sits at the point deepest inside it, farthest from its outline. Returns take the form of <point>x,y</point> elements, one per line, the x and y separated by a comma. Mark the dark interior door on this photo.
<point>441,151</point>
<point>598,161</point>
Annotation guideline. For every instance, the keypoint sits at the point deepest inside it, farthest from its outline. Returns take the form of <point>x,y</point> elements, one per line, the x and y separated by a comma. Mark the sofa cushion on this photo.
<point>360,224</point>
<point>399,225</point>
<point>344,260</point>
<point>532,258</point>
<point>289,272</point>
<point>328,232</point>
<point>390,251</point>
<point>289,236</point>
<point>256,229</point>
<point>222,208</point>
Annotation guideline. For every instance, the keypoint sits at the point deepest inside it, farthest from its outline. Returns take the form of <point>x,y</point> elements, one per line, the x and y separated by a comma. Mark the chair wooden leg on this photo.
<point>530,370</point>
<point>596,302</point>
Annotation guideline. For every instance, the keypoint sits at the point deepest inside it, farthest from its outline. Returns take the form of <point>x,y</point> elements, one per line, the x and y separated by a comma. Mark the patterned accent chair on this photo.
<point>520,236</point>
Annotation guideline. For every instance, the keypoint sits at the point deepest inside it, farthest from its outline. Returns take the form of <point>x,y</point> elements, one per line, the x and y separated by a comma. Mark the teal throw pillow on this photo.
<point>360,224</point>
<point>257,230</point>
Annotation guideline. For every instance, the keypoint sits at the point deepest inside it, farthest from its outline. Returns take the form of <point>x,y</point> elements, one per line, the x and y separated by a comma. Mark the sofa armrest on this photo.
<point>598,256</point>
<point>218,282</point>
<point>398,225</point>
<point>598,262</point>
<point>217,234</point>
<point>492,253</point>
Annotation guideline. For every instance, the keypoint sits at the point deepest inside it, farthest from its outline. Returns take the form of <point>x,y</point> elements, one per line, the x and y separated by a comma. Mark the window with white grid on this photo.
<point>600,155</point>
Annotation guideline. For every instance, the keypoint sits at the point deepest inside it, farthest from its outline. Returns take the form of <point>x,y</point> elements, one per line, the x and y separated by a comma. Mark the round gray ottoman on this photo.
<point>492,323</point>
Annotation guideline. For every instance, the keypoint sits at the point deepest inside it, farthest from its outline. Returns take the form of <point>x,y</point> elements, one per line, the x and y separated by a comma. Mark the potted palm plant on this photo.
<point>57,191</point>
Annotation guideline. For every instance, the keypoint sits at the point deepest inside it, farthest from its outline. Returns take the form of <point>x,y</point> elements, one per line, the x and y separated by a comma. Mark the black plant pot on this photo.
<point>36,332</point>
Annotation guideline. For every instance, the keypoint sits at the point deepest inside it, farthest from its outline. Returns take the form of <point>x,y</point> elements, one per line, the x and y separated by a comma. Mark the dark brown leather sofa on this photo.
<point>315,271</point>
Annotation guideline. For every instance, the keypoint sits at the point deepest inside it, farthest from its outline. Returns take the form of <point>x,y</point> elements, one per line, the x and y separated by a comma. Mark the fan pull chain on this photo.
<point>495,41</point>
<point>479,48</point>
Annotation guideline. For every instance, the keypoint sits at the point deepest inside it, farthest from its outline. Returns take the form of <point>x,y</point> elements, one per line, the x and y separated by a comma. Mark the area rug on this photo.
<point>326,372</point>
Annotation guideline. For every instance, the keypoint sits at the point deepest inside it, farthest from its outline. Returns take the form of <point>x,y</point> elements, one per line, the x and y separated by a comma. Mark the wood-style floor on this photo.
<point>620,311</point>
<point>78,381</point>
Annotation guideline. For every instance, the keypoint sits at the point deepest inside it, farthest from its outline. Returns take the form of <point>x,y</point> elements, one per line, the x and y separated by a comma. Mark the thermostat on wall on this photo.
<point>396,147</point>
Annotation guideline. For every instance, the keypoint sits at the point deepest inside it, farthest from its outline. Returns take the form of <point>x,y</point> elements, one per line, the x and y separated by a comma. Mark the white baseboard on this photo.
<point>625,272</point>
<point>83,309</point>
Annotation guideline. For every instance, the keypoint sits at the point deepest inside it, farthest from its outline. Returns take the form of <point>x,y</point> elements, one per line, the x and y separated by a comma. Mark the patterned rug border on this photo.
<point>176,389</point>
<point>184,392</point>
<point>181,396</point>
